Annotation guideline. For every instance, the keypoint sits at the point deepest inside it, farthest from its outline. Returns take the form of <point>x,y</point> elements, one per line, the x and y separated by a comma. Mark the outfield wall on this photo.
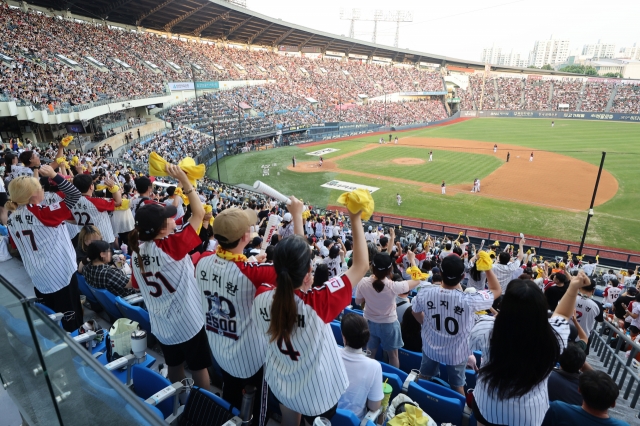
<point>569,115</point>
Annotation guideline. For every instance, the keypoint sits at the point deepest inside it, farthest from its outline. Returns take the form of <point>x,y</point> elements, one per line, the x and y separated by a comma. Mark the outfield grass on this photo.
<point>453,167</point>
<point>615,224</point>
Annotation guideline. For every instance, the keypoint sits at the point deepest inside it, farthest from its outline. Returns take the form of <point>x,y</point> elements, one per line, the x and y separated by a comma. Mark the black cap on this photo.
<point>256,241</point>
<point>632,291</point>
<point>382,261</point>
<point>150,218</point>
<point>97,247</point>
<point>334,251</point>
<point>452,267</point>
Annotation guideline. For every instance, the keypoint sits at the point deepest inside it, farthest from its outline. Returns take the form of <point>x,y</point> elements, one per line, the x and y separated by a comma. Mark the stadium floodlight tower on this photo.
<point>376,16</point>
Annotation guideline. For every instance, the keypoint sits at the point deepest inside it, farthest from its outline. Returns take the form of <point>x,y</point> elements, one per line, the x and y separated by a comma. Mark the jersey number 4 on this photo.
<point>288,349</point>
<point>450,324</point>
<point>32,238</point>
<point>155,285</point>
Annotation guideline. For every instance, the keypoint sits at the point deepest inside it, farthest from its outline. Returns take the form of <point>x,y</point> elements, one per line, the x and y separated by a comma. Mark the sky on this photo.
<point>461,29</point>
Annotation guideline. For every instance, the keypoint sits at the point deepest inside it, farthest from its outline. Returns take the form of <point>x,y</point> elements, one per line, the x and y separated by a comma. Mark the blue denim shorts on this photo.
<point>430,368</point>
<point>387,334</point>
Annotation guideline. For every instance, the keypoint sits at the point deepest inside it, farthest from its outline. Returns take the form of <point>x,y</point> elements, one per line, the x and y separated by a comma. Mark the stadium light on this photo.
<point>593,200</point>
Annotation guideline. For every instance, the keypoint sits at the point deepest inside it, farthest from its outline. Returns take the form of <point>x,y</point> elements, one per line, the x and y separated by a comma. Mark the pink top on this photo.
<point>380,307</point>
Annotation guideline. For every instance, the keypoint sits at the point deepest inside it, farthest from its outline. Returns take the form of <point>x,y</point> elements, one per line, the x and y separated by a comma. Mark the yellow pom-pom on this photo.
<point>461,233</point>
<point>483,261</point>
<point>497,243</point>
<point>358,200</point>
<point>66,140</point>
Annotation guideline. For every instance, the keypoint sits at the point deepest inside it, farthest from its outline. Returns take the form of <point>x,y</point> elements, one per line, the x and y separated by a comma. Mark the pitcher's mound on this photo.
<point>408,161</point>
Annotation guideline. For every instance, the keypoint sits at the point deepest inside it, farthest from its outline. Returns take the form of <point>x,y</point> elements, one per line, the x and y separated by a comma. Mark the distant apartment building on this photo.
<point>599,50</point>
<point>550,51</point>
<point>632,52</point>
<point>491,55</point>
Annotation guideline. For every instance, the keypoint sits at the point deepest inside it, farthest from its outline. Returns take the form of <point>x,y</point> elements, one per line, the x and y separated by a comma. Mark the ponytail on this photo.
<point>378,283</point>
<point>134,245</point>
<point>292,262</point>
<point>284,313</point>
<point>11,206</point>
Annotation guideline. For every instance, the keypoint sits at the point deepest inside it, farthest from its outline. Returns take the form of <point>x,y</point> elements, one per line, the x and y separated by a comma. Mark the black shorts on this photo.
<point>65,300</point>
<point>195,351</point>
<point>310,419</point>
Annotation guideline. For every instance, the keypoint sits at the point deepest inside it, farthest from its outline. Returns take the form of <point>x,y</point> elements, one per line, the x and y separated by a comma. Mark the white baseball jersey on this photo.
<point>448,319</point>
<point>318,230</point>
<point>306,373</point>
<point>334,266</point>
<point>228,290</point>
<point>586,312</point>
<point>528,410</point>
<point>168,286</point>
<point>611,294</point>
<point>308,226</point>
<point>95,211</point>
<point>43,242</point>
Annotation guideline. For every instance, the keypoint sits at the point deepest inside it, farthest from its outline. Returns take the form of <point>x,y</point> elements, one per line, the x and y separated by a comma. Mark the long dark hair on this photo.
<point>524,307</point>
<point>378,283</point>
<point>474,273</point>
<point>291,260</point>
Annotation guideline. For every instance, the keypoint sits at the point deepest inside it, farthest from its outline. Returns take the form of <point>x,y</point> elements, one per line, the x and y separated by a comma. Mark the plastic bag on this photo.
<point>120,333</point>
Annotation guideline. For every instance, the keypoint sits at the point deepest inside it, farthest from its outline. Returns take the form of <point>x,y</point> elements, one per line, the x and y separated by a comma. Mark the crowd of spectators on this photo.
<point>510,92</point>
<point>173,145</point>
<point>627,99</point>
<point>548,95</point>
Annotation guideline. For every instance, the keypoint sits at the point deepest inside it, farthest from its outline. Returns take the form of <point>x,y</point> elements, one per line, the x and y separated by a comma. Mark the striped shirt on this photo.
<point>307,373</point>
<point>587,313</point>
<point>528,410</point>
<point>52,198</point>
<point>42,239</point>
<point>95,211</point>
<point>168,286</point>
<point>334,265</point>
<point>228,290</point>
<point>504,273</point>
<point>448,320</point>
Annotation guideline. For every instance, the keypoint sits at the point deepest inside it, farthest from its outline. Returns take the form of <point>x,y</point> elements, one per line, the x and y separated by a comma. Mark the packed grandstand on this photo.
<point>60,65</point>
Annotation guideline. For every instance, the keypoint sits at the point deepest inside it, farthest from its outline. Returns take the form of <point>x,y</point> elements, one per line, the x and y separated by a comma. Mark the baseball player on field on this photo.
<point>447,316</point>
<point>164,273</point>
<point>45,247</point>
<point>236,344</point>
<point>304,368</point>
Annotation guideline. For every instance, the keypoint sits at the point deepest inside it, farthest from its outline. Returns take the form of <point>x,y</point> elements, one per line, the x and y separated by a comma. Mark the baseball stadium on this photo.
<point>212,216</point>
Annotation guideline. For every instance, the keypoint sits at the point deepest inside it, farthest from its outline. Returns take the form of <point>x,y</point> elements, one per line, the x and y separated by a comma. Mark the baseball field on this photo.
<point>546,197</point>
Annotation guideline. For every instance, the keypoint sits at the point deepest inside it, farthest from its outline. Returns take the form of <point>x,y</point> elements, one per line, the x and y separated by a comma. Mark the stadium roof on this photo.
<point>221,20</point>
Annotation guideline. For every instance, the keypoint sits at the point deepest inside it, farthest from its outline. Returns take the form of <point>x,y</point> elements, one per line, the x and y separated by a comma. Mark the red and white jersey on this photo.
<point>95,211</point>
<point>306,373</point>
<point>52,198</point>
<point>611,294</point>
<point>168,286</point>
<point>334,265</point>
<point>228,289</point>
<point>43,241</point>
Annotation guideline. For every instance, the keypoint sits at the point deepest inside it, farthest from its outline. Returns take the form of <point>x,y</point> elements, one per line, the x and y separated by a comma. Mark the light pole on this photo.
<point>593,200</point>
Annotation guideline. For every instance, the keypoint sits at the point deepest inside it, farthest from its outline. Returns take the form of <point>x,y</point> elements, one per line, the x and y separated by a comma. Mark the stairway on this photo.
<point>522,99</point>
<point>581,96</point>
<point>611,98</point>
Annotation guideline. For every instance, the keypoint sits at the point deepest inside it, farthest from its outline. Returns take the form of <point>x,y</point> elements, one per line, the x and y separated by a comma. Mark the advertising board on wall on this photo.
<point>572,115</point>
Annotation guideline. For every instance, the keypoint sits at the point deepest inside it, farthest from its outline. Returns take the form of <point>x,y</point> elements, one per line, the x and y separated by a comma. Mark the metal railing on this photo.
<point>546,247</point>
<point>616,359</point>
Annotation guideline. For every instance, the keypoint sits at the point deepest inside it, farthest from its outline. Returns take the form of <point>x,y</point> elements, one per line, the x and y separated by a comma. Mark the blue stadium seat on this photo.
<point>478,355</point>
<point>135,313</point>
<point>470,378</point>
<point>86,290</point>
<point>337,333</point>
<point>440,408</point>
<point>441,390</point>
<point>353,311</point>
<point>147,382</point>
<point>205,408</point>
<point>122,373</point>
<point>108,302</point>
<point>386,368</point>
<point>409,360</point>
<point>346,418</point>
<point>100,347</point>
